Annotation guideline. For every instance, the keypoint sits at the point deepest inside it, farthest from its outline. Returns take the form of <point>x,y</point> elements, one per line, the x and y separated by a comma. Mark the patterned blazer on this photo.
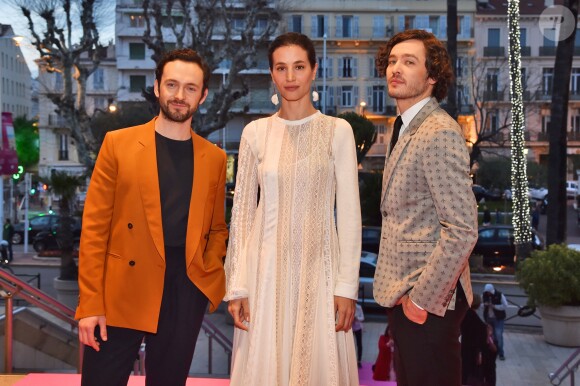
<point>429,215</point>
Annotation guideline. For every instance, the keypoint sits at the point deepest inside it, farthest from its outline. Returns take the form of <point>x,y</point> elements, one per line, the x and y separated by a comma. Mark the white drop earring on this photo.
<point>274,99</point>
<point>315,96</point>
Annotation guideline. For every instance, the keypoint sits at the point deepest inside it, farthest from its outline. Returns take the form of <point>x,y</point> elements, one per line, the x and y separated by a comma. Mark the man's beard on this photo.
<point>176,116</point>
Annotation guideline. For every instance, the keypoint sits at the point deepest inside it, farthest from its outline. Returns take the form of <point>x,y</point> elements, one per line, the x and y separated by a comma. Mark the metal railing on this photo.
<point>212,332</point>
<point>12,287</point>
<point>568,368</point>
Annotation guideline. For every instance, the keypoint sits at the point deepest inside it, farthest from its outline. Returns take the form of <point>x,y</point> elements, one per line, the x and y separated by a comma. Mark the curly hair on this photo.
<point>437,62</point>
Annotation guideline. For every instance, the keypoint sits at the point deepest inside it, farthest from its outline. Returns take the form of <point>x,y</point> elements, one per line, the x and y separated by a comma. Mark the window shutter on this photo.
<point>339,26</point>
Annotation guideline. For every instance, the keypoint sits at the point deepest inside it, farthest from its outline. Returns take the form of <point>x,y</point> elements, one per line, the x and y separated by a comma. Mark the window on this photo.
<point>58,81</point>
<point>493,37</point>
<point>136,21</point>
<point>549,37</point>
<point>326,99</point>
<point>575,123</point>
<point>547,81</point>
<point>261,25</point>
<point>348,67</point>
<point>575,81</point>
<point>486,234</point>
<point>99,79</point>
<point>328,68</point>
<point>136,51</point>
<point>378,99</point>
<point>545,123</point>
<point>505,235</point>
<point>239,23</point>
<point>492,123</point>
<point>63,148</point>
<point>523,37</point>
<point>346,99</point>
<point>99,103</point>
<point>461,66</point>
<point>319,26</point>
<point>347,26</point>
<point>524,72</point>
<point>137,83</point>
<point>409,22</point>
<point>379,27</point>
<point>464,27</point>
<point>491,81</point>
<point>434,25</point>
<point>373,72</point>
<point>295,23</point>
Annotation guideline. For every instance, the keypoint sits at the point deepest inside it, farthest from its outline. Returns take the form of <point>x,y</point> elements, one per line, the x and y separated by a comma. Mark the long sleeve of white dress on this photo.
<point>243,214</point>
<point>348,217</point>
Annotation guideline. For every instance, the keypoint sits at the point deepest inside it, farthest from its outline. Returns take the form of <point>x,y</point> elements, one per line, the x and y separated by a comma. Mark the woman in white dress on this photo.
<point>294,252</point>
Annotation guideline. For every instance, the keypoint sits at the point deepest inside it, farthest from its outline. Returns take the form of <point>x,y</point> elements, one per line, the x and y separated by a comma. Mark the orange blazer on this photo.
<point>122,254</point>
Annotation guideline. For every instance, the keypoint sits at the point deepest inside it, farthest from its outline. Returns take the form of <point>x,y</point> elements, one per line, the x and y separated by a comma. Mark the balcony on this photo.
<point>573,136</point>
<point>543,95</point>
<point>466,109</point>
<point>542,136</point>
<point>56,121</point>
<point>494,51</point>
<point>526,50</point>
<point>493,96</point>
<point>574,95</point>
<point>547,50</point>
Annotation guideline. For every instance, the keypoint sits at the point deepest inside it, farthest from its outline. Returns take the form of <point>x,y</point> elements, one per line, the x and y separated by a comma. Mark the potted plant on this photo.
<point>64,186</point>
<point>551,279</point>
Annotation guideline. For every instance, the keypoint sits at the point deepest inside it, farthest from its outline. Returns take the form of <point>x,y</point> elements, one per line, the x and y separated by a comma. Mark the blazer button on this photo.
<point>132,263</point>
<point>130,226</point>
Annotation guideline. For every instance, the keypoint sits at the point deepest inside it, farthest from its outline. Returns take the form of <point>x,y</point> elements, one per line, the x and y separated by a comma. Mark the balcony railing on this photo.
<point>547,51</point>
<point>573,136</point>
<point>542,136</point>
<point>493,96</point>
<point>494,51</point>
<point>526,50</point>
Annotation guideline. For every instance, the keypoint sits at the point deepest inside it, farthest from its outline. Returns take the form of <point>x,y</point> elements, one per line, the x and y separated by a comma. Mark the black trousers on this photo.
<point>359,347</point>
<point>428,354</point>
<point>168,353</point>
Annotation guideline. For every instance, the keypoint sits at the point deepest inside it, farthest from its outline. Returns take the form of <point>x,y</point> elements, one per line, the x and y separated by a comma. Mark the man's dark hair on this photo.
<point>437,61</point>
<point>185,55</point>
<point>293,39</point>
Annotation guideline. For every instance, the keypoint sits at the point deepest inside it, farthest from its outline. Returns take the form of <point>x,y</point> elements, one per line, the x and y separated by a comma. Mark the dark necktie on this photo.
<point>396,131</point>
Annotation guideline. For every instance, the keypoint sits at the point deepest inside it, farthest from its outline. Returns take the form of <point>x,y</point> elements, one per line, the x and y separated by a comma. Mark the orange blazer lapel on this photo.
<point>197,204</point>
<point>149,185</point>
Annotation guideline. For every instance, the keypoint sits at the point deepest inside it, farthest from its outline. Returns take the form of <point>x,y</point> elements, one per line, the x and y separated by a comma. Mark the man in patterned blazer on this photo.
<point>429,215</point>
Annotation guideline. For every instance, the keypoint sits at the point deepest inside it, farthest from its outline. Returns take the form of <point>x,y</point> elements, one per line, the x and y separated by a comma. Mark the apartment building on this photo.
<point>16,80</point>
<point>538,44</point>
<point>58,151</point>
<point>348,35</point>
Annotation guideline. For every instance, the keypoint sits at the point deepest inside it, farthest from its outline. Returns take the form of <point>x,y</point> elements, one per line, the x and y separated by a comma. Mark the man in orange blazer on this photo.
<point>153,238</point>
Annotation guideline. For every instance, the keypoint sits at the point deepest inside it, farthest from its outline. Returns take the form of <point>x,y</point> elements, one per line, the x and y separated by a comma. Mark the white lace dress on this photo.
<point>290,256</point>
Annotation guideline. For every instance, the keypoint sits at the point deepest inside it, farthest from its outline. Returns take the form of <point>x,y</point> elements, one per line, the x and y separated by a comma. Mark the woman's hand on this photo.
<point>240,311</point>
<point>344,311</point>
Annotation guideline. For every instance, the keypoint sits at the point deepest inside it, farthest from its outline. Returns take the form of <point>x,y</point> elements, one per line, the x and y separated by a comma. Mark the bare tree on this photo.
<point>489,89</point>
<point>54,24</point>
<point>556,230</point>
<point>222,32</point>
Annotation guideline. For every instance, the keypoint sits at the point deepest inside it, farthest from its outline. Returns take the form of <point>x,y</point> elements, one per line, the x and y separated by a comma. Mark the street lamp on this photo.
<point>362,104</point>
<point>324,74</point>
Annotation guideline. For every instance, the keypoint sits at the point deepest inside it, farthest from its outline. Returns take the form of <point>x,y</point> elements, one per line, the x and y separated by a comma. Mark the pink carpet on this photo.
<point>365,374</point>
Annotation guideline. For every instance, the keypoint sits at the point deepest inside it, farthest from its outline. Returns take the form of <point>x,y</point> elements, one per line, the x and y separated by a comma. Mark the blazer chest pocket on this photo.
<point>421,247</point>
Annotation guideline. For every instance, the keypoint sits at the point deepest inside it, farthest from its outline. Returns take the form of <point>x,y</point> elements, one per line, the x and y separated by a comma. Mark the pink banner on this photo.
<point>8,156</point>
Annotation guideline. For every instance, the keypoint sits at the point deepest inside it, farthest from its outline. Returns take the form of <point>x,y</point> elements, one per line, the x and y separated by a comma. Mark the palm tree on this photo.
<point>64,186</point>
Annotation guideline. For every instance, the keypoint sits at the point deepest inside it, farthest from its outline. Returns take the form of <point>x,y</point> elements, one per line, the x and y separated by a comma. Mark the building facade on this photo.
<point>58,151</point>
<point>15,89</point>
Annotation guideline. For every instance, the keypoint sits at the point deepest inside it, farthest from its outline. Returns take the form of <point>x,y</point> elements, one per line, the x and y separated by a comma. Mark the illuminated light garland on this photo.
<point>519,176</point>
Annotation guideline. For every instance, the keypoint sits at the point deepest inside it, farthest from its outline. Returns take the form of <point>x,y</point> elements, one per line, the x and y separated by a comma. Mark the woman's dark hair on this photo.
<point>185,55</point>
<point>293,39</point>
<point>437,61</point>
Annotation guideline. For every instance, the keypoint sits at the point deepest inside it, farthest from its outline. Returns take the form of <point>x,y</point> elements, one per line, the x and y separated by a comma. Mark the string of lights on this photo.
<point>519,176</point>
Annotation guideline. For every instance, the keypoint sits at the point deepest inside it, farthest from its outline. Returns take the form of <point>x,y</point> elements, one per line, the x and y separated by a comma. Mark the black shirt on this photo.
<point>175,170</point>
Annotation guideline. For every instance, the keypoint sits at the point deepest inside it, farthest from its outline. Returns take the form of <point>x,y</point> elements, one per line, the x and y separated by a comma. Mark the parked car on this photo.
<point>368,266</point>
<point>496,244</point>
<point>537,194</point>
<point>482,193</point>
<point>571,189</point>
<point>47,241</point>
<point>371,238</point>
<point>40,223</point>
